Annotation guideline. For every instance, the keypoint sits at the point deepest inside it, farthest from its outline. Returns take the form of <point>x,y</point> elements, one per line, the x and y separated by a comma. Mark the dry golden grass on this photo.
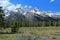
<point>40,30</point>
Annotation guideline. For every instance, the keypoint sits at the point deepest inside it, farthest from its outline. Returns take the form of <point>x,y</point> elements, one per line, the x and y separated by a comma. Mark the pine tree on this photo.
<point>2,22</point>
<point>14,26</point>
<point>49,23</point>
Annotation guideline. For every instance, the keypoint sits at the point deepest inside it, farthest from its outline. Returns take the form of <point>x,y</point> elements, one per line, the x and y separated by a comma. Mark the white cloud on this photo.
<point>30,6</point>
<point>52,0</point>
<point>18,6</point>
<point>12,7</point>
<point>6,4</point>
<point>4,0</point>
<point>25,6</point>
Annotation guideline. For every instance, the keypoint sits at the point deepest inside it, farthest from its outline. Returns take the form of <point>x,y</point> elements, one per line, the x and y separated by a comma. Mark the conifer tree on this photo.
<point>2,21</point>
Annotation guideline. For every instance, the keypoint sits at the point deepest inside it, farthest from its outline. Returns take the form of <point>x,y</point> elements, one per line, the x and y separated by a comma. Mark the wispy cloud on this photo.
<point>52,0</point>
<point>6,4</point>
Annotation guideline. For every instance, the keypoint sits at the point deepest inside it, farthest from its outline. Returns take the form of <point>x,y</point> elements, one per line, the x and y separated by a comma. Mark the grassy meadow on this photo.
<point>52,32</point>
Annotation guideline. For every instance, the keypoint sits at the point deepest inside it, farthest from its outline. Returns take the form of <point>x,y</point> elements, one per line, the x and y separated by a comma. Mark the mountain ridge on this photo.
<point>33,14</point>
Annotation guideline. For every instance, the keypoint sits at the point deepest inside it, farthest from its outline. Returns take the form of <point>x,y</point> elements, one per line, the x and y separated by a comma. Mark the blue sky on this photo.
<point>45,5</point>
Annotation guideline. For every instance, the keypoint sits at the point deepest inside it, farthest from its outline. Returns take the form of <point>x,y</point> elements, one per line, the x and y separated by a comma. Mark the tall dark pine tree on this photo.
<point>1,17</point>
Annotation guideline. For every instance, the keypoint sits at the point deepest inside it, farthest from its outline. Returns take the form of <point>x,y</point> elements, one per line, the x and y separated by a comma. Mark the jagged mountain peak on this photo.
<point>32,15</point>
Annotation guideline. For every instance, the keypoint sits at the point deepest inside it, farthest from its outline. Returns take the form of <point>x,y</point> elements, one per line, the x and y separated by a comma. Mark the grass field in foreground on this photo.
<point>40,31</point>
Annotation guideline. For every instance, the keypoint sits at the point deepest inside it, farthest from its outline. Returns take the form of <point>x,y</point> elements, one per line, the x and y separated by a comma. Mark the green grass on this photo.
<point>40,31</point>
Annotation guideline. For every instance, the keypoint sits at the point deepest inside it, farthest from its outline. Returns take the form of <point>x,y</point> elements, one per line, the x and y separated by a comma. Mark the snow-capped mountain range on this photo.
<point>31,15</point>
